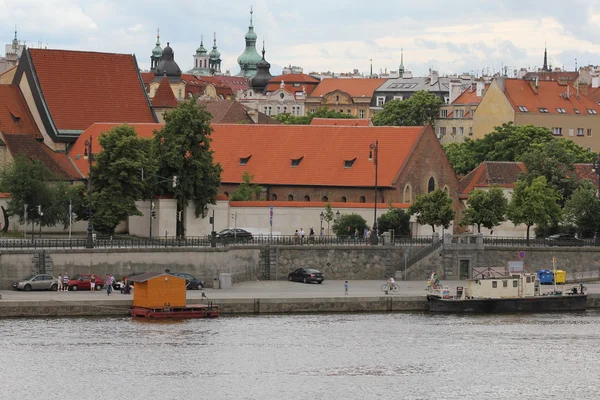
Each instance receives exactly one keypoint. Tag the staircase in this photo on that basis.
(42, 263)
(418, 255)
(269, 258)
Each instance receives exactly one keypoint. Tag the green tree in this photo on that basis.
(116, 176)
(328, 215)
(322, 112)
(583, 209)
(434, 209)
(396, 220)
(485, 208)
(183, 150)
(533, 203)
(347, 224)
(247, 190)
(419, 109)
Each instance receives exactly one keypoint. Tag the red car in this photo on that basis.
(82, 282)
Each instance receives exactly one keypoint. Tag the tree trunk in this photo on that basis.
(478, 228)
(5, 227)
(433, 227)
(528, 226)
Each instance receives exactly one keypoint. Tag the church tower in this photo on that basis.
(156, 52)
(201, 61)
(214, 58)
(250, 58)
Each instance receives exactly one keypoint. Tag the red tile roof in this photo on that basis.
(164, 96)
(355, 87)
(81, 88)
(341, 121)
(272, 148)
(15, 116)
(593, 93)
(290, 81)
(147, 77)
(227, 112)
(567, 76)
(222, 88)
(549, 95)
(469, 96)
(28, 145)
(236, 83)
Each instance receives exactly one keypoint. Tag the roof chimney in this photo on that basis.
(480, 88)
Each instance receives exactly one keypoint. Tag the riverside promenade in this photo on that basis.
(258, 297)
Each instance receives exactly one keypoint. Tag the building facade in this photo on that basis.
(455, 122)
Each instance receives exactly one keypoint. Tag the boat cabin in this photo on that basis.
(513, 286)
(155, 290)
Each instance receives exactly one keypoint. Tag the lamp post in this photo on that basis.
(374, 155)
(321, 217)
(88, 155)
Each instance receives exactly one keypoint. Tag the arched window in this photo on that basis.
(274, 197)
(431, 185)
(226, 194)
(291, 197)
(307, 198)
(446, 189)
(407, 198)
(325, 199)
(343, 199)
(337, 98)
(362, 199)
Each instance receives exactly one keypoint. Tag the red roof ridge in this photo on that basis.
(164, 96)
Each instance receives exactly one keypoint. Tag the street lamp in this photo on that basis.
(337, 215)
(321, 217)
(88, 155)
(374, 155)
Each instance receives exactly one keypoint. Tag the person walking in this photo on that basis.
(60, 285)
(109, 282)
(346, 288)
(93, 283)
(65, 282)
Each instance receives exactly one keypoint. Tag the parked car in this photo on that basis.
(563, 239)
(306, 275)
(235, 233)
(36, 282)
(118, 285)
(190, 281)
(82, 282)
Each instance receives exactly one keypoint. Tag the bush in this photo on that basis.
(347, 224)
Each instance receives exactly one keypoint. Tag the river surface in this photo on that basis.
(335, 356)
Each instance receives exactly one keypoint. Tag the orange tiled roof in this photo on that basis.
(341, 121)
(236, 83)
(28, 145)
(272, 148)
(357, 87)
(316, 204)
(549, 95)
(593, 93)
(15, 116)
(147, 77)
(290, 80)
(81, 88)
(164, 96)
(469, 96)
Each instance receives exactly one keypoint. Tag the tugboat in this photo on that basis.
(512, 293)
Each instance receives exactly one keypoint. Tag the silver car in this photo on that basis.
(36, 282)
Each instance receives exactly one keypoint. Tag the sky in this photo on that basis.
(333, 35)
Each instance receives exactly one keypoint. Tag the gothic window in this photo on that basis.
(362, 199)
(226, 194)
(431, 185)
(291, 197)
(343, 199)
(274, 197)
(307, 198)
(325, 199)
(407, 194)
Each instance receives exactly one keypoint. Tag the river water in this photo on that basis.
(335, 356)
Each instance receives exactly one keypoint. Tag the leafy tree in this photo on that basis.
(347, 224)
(247, 190)
(183, 150)
(328, 215)
(583, 209)
(485, 208)
(116, 176)
(419, 109)
(395, 219)
(434, 209)
(322, 112)
(533, 203)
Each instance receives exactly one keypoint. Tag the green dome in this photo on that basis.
(201, 50)
(251, 35)
(157, 51)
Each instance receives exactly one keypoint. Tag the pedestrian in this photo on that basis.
(366, 233)
(346, 288)
(296, 237)
(302, 233)
(93, 283)
(65, 282)
(60, 284)
(312, 232)
(356, 233)
(109, 282)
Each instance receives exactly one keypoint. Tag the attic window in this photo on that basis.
(576, 111)
(523, 109)
(591, 111)
(16, 119)
(561, 110)
(349, 163)
(244, 160)
(543, 110)
(296, 161)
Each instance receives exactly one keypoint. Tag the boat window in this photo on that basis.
(494, 284)
(516, 283)
(528, 279)
(504, 283)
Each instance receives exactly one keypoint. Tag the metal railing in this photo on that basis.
(504, 241)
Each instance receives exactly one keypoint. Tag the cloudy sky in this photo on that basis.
(336, 35)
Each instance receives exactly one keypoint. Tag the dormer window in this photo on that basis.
(523, 109)
(576, 111)
(561, 110)
(244, 160)
(296, 161)
(16, 119)
(591, 111)
(349, 163)
(543, 110)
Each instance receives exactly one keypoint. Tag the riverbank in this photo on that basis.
(264, 297)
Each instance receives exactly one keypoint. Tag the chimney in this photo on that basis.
(595, 82)
(434, 77)
(480, 87)
(583, 88)
(455, 90)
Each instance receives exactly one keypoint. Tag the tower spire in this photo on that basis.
(545, 67)
(401, 69)
(214, 40)
(251, 12)
(263, 50)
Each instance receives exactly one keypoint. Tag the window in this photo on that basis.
(454, 131)
(380, 101)
(16, 119)
(443, 113)
(528, 280)
(361, 114)
(470, 131)
(349, 111)
(296, 85)
(442, 131)
(592, 111)
(407, 194)
(543, 110)
(307, 198)
(226, 194)
(285, 110)
(244, 160)
(504, 283)
(557, 131)
(325, 199)
(290, 197)
(180, 94)
(461, 131)
(343, 199)
(362, 199)
(349, 163)
(398, 97)
(571, 131)
(341, 110)
(589, 132)
(337, 98)
(576, 111)
(446, 99)
(274, 197)
(561, 110)
(494, 284)
(431, 185)
(580, 132)
(296, 162)
(515, 283)
(460, 113)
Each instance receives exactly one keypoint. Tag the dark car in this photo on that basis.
(235, 233)
(306, 275)
(190, 281)
(563, 239)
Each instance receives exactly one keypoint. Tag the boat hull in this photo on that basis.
(508, 305)
(195, 311)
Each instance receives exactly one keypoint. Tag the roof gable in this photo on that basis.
(15, 116)
(164, 96)
(356, 87)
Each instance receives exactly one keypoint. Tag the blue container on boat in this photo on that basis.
(545, 276)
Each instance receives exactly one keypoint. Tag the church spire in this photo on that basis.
(251, 12)
(545, 67)
(401, 69)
